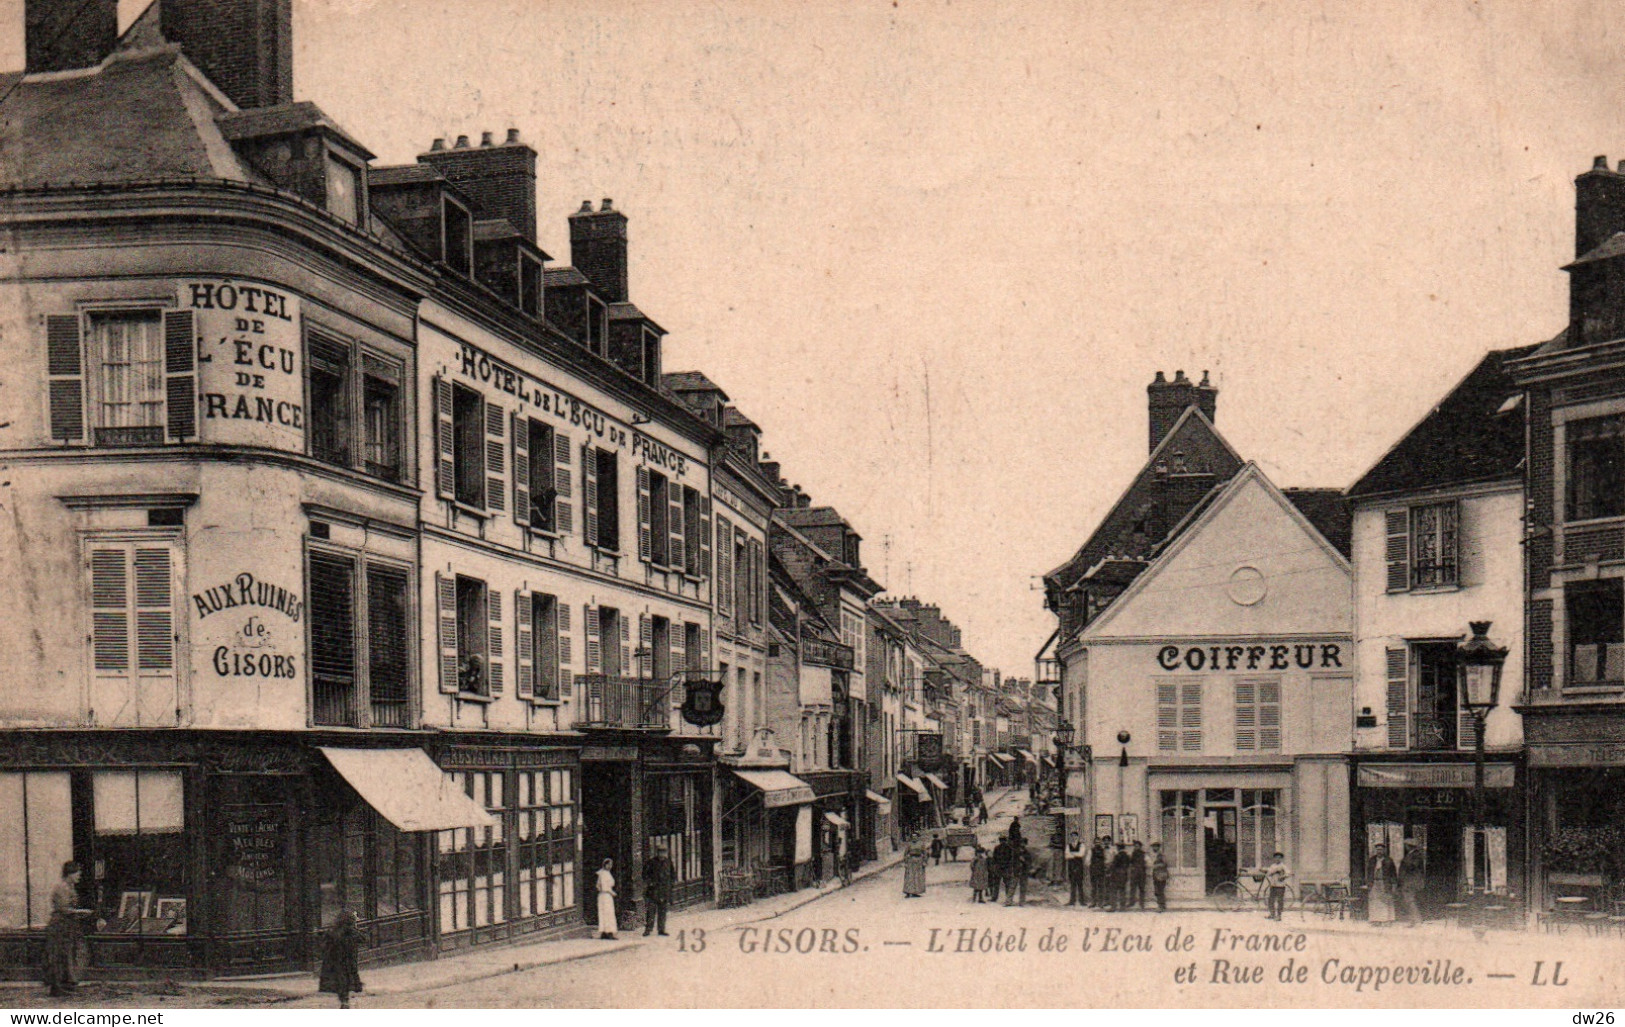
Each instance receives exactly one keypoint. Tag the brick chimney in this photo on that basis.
(60, 36)
(1599, 206)
(245, 47)
(500, 177)
(598, 248)
(1168, 400)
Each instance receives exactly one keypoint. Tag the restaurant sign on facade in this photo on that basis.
(1432, 775)
(823, 653)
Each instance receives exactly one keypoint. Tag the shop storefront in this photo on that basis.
(768, 828)
(1576, 819)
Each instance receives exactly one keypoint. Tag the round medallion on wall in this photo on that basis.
(1247, 586)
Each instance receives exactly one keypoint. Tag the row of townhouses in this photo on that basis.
(369, 559)
(1254, 669)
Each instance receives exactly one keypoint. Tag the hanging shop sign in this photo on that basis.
(702, 702)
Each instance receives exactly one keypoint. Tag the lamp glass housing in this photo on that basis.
(1479, 663)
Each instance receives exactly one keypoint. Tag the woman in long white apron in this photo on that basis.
(606, 900)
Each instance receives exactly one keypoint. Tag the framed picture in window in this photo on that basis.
(1103, 825)
(1130, 824)
(172, 909)
(133, 905)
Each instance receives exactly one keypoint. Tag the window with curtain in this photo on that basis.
(474, 861)
(1181, 830)
(546, 841)
(1257, 841)
(127, 360)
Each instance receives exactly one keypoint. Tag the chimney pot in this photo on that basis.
(513, 137)
(461, 144)
(1599, 163)
(608, 204)
(438, 144)
(485, 139)
(1159, 379)
(586, 207)
(1206, 382)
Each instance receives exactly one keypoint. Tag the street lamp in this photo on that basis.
(1478, 675)
(1063, 742)
(1123, 738)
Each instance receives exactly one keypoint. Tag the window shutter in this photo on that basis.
(1398, 664)
(705, 537)
(519, 434)
(679, 655)
(757, 563)
(563, 519)
(445, 588)
(446, 458)
(705, 649)
(180, 391)
(626, 646)
(1167, 718)
(64, 365)
(589, 495)
(1190, 717)
(1269, 716)
(645, 551)
(493, 641)
(1398, 552)
(1246, 716)
(110, 613)
(565, 650)
(154, 612)
(1466, 725)
(675, 526)
(646, 641)
(724, 586)
(496, 455)
(524, 655)
(595, 654)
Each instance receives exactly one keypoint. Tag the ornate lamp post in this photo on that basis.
(1478, 675)
(1123, 738)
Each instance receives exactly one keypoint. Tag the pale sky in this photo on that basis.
(937, 250)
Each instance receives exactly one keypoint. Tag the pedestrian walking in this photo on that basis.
(978, 874)
(843, 860)
(1275, 876)
(1097, 873)
(1077, 866)
(607, 925)
(914, 871)
(1136, 875)
(1411, 882)
(1159, 877)
(657, 880)
(64, 934)
(982, 813)
(936, 849)
(1118, 885)
(1014, 831)
(1382, 877)
(996, 866)
(341, 947)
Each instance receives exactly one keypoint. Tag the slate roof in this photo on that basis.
(1329, 511)
(1610, 247)
(559, 277)
(1462, 440)
(732, 418)
(287, 117)
(690, 381)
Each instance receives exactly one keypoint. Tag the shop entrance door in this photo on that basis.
(606, 832)
(1219, 845)
(1439, 832)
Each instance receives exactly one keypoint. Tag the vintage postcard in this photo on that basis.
(865, 503)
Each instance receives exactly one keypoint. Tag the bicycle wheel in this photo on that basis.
(1289, 901)
(1225, 897)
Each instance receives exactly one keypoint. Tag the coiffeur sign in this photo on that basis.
(1252, 656)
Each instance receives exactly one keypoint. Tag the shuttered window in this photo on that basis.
(608, 475)
(659, 519)
(128, 377)
(1167, 718)
(1397, 552)
(132, 610)
(472, 628)
(389, 657)
(725, 567)
(1190, 716)
(1258, 716)
(1398, 674)
(545, 633)
(468, 446)
(694, 532)
(332, 639)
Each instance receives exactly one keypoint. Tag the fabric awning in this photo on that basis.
(934, 779)
(882, 804)
(1047, 758)
(1027, 755)
(915, 786)
(1001, 757)
(836, 819)
(407, 789)
(778, 787)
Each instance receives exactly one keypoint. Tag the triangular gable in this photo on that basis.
(1191, 432)
(1200, 584)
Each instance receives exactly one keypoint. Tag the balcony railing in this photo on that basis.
(636, 704)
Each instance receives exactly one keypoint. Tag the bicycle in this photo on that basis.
(1229, 896)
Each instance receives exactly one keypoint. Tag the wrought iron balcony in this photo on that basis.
(628, 704)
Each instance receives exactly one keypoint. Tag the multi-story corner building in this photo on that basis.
(363, 557)
(1573, 704)
(1437, 523)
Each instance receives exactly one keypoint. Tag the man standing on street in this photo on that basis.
(657, 878)
(1076, 866)
(1159, 876)
(1136, 876)
(1410, 882)
(1097, 873)
(1118, 885)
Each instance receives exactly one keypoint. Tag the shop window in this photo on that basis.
(546, 841)
(468, 441)
(674, 818)
(364, 865)
(252, 836)
(1596, 629)
(1596, 467)
(1256, 840)
(474, 860)
(36, 838)
(140, 853)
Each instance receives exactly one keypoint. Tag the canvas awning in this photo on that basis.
(1027, 755)
(934, 779)
(1047, 758)
(1001, 757)
(836, 819)
(882, 804)
(408, 789)
(914, 786)
(778, 787)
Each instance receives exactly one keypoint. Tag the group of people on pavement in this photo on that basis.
(1405, 881)
(1116, 874)
(1007, 867)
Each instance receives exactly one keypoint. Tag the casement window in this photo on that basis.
(1258, 716)
(656, 661)
(468, 434)
(530, 286)
(724, 585)
(696, 533)
(329, 423)
(597, 326)
(1179, 716)
(469, 636)
(343, 190)
(1423, 546)
(546, 838)
(458, 238)
(1595, 621)
(1256, 827)
(122, 377)
(133, 621)
(340, 377)
(542, 647)
(601, 498)
(651, 359)
(661, 531)
(381, 417)
(695, 651)
(1424, 711)
(1596, 467)
(742, 576)
(542, 460)
(754, 553)
(360, 643)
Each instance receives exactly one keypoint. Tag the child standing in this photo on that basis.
(978, 874)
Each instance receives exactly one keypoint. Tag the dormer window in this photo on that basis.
(530, 286)
(597, 326)
(458, 238)
(651, 358)
(343, 190)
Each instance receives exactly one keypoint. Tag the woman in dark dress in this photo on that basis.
(64, 934)
(339, 950)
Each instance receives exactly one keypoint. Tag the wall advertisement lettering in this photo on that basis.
(250, 363)
(259, 636)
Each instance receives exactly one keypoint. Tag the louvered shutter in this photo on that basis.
(674, 523)
(1398, 551)
(565, 650)
(1466, 726)
(589, 495)
(519, 436)
(705, 537)
(646, 641)
(1269, 716)
(757, 566)
(724, 586)
(524, 650)
(1167, 718)
(1398, 665)
(65, 370)
(154, 612)
(705, 649)
(496, 656)
(679, 654)
(1190, 716)
(445, 590)
(645, 548)
(595, 654)
(1246, 716)
(180, 385)
(496, 458)
(110, 612)
(563, 517)
(445, 454)
(626, 646)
